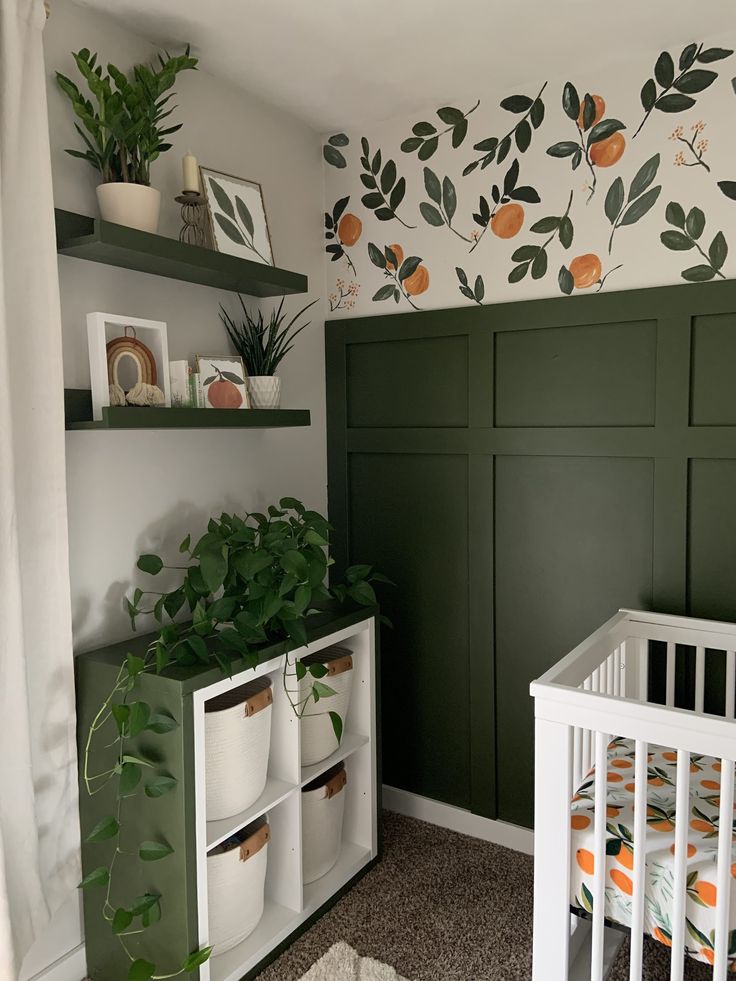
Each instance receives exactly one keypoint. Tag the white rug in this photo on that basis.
(342, 963)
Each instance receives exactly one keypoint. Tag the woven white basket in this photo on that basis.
(318, 734)
(237, 740)
(323, 809)
(236, 876)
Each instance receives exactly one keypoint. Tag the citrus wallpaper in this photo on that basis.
(599, 180)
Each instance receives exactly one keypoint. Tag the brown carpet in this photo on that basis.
(443, 907)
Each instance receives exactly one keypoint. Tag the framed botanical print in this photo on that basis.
(222, 378)
(237, 216)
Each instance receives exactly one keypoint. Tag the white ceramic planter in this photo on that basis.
(323, 810)
(236, 876)
(264, 391)
(237, 741)
(134, 205)
(318, 734)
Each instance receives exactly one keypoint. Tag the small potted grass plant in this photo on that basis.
(263, 345)
(125, 131)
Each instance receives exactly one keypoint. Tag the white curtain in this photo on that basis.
(38, 814)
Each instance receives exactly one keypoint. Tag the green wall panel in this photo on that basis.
(404, 508)
(522, 470)
(714, 358)
(396, 383)
(586, 375)
(573, 545)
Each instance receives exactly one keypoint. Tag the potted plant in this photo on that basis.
(123, 132)
(263, 346)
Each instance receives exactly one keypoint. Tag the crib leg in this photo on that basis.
(552, 793)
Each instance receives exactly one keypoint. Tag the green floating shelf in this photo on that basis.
(78, 406)
(128, 248)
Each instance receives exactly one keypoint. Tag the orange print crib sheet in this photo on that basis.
(702, 852)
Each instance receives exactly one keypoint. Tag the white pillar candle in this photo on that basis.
(190, 173)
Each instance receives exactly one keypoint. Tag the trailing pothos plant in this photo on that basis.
(247, 582)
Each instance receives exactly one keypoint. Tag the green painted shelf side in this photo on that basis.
(128, 248)
(78, 406)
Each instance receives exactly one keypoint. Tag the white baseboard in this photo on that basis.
(457, 819)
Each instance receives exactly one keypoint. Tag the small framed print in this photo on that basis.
(222, 378)
(237, 216)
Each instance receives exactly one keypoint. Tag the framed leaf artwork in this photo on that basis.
(222, 378)
(237, 216)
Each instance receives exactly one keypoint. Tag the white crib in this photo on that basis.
(595, 694)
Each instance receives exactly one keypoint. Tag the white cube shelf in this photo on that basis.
(288, 901)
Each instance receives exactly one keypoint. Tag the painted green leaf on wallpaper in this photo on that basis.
(426, 137)
(685, 80)
(332, 154)
(498, 148)
(510, 191)
(534, 258)
(728, 188)
(385, 199)
(407, 278)
(639, 201)
(474, 293)
(444, 196)
(689, 229)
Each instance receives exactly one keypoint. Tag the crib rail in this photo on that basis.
(598, 692)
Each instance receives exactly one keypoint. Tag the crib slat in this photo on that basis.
(682, 809)
(577, 757)
(699, 678)
(587, 736)
(730, 683)
(609, 674)
(723, 894)
(617, 672)
(599, 853)
(670, 692)
(640, 833)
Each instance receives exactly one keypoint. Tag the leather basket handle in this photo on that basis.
(258, 702)
(335, 784)
(339, 665)
(252, 845)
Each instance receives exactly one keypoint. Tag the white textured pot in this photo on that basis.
(134, 205)
(264, 391)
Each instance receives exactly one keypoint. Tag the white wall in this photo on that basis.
(130, 492)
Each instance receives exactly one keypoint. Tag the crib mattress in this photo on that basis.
(705, 781)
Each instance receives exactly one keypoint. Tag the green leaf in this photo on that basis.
(213, 566)
(714, 54)
(153, 851)
(728, 188)
(160, 785)
(570, 101)
(718, 251)
(312, 538)
(675, 214)
(130, 776)
(229, 229)
(461, 275)
(223, 199)
(151, 564)
(317, 670)
(676, 241)
(698, 274)
(649, 94)
(675, 103)
(140, 713)
(459, 133)
(516, 103)
(687, 56)
(544, 226)
(120, 713)
(151, 915)
(397, 195)
(321, 690)
(97, 877)
(537, 114)
(450, 115)
(565, 280)
(333, 157)
(295, 563)
(539, 266)
(431, 215)
(297, 631)
(339, 139)
(121, 920)
(108, 827)
(695, 223)
(161, 723)
(428, 148)
(479, 289)
(336, 726)
(388, 176)
(566, 148)
(614, 200)
(525, 253)
(644, 177)
(449, 198)
(641, 206)
(588, 111)
(300, 670)
(518, 273)
(604, 129)
(695, 81)
(141, 970)
(376, 256)
(565, 233)
(523, 136)
(664, 70)
(362, 592)
(194, 960)
(423, 129)
(412, 144)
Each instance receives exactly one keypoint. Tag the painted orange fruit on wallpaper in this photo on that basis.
(608, 152)
(585, 270)
(707, 892)
(418, 282)
(508, 220)
(349, 229)
(600, 108)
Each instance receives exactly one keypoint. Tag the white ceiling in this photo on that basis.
(345, 63)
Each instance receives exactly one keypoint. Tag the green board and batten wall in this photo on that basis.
(522, 470)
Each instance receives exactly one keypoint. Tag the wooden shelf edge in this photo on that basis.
(78, 409)
(83, 237)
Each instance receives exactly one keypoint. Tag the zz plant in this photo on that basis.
(247, 582)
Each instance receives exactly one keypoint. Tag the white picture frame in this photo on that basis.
(227, 371)
(105, 327)
(237, 216)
